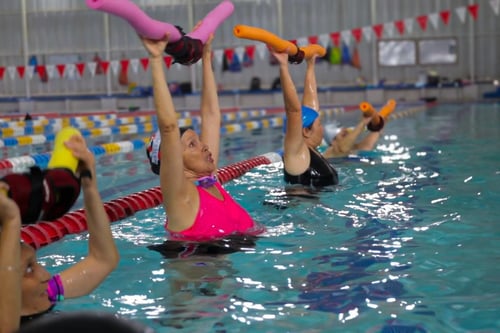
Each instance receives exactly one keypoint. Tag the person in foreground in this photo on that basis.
(197, 206)
(27, 289)
(303, 163)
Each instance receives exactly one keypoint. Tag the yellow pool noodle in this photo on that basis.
(62, 157)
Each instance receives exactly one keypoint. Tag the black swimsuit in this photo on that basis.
(320, 173)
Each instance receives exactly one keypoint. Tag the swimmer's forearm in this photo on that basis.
(102, 246)
(10, 276)
(310, 96)
(290, 97)
(164, 105)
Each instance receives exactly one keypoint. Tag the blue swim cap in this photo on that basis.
(309, 115)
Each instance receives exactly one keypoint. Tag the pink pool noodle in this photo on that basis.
(154, 29)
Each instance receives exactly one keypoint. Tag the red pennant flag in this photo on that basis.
(20, 71)
(2, 72)
(335, 38)
(60, 69)
(445, 16)
(250, 49)
(357, 33)
(379, 30)
(144, 63)
(105, 66)
(80, 67)
(422, 21)
(473, 9)
(168, 61)
(42, 73)
(229, 53)
(124, 63)
(400, 25)
(313, 39)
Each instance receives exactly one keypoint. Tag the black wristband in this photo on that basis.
(86, 174)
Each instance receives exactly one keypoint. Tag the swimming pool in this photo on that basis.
(408, 242)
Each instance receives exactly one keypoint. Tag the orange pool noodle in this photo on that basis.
(367, 109)
(313, 49)
(387, 109)
(261, 35)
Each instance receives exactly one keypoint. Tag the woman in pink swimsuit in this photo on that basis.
(197, 206)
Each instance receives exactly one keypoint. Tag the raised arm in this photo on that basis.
(310, 96)
(210, 110)
(10, 263)
(179, 194)
(102, 257)
(296, 155)
(343, 145)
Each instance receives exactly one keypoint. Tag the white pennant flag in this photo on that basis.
(324, 40)
(240, 52)
(134, 63)
(114, 66)
(409, 25)
(218, 54)
(30, 71)
(178, 66)
(12, 72)
(461, 13)
(346, 36)
(70, 71)
(51, 71)
(302, 41)
(91, 66)
(389, 29)
(434, 18)
(495, 5)
(261, 50)
(367, 33)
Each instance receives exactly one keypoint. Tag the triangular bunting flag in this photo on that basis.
(409, 25)
(400, 26)
(51, 71)
(302, 41)
(495, 5)
(240, 52)
(367, 33)
(261, 50)
(473, 10)
(92, 66)
(312, 39)
(218, 54)
(60, 69)
(389, 29)
(134, 63)
(30, 71)
(434, 17)
(335, 36)
(324, 40)
(105, 66)
(346, 36)
(20, 71)
(80, 67)
(379, 30)
(357, 33)
(2, 71)
(114, 66)
(250, 50)
(42, 73)
(422, 22)
(124, 65)
(229, 53)
(168, 61)
(11, 70)
(461, 13)
(144, 63)
(70, 70)
(445, 16)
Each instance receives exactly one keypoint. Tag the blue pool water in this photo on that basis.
(408, 242)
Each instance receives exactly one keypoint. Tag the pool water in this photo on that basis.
(408, 242)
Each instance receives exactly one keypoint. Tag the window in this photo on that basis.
(437, 51)
(397, 53)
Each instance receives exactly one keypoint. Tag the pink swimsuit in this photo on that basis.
(216, 218)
